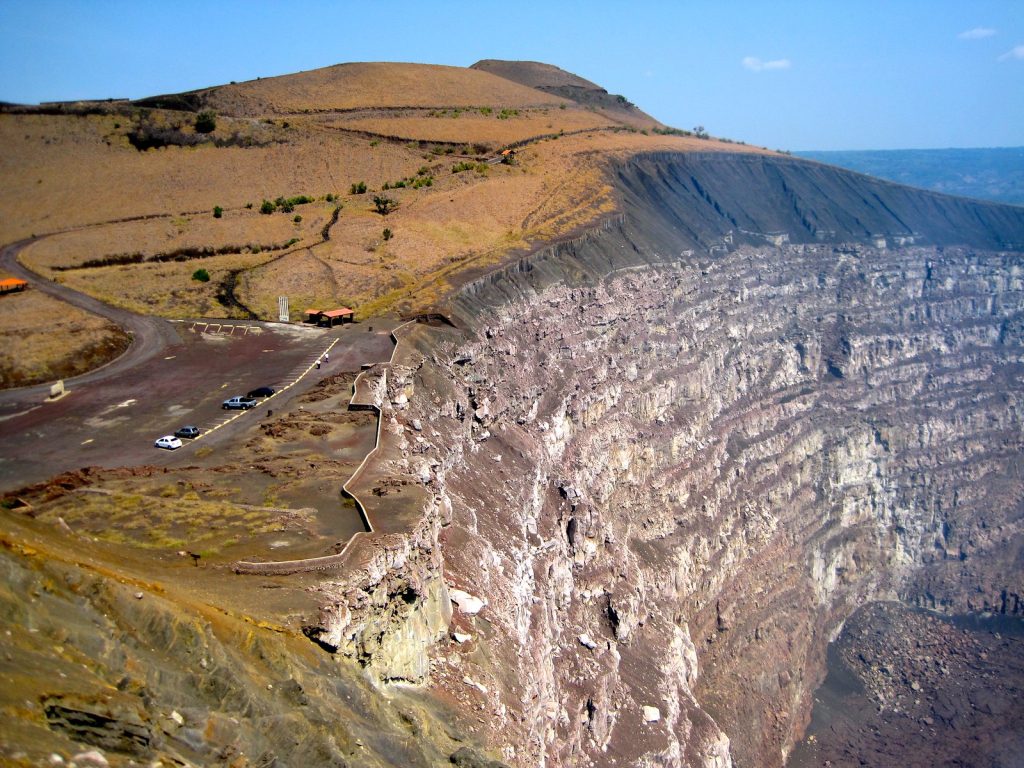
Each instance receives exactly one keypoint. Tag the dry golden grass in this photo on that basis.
(482, 128)
(46, 339)
(60, 173)
(246, 229)
(361, 85)
(463, 222)
(161, 522)
(165, 289)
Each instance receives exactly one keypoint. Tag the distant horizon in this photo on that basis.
(907, 149)
(796, 73)
(995, 174)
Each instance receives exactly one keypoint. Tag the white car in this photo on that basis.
(170, 442)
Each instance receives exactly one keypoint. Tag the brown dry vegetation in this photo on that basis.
(170, 521)
(245, 229)
(448, 126)
(361, 85)
(315, 133)
(45, 339)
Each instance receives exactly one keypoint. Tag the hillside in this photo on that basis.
(550, 79)
(359, 86)
(630, 424)
(426, 137)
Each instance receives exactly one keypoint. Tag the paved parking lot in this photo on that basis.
(113, 421)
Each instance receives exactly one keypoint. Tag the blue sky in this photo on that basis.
(788, 75)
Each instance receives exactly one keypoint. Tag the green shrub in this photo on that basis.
(217, 211)
(387, 234)
(358, 188)
(297, 219)
(463, 166)
(267, 207)
(485, 110)
(201, 275)
(206, 122)
(248, 206)
(384, 205)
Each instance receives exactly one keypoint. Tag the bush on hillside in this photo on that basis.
(206, 122)
(384, 205)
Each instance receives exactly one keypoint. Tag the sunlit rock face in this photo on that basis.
(673, 456)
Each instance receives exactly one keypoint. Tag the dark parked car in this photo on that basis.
(238, 403)
(189, 432)
(261, 392)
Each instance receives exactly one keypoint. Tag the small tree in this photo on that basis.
(387, 234)
(384, 205)
(201, 275)
(217, 211)
(206, 122)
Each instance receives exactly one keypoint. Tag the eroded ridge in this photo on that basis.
(673, 485)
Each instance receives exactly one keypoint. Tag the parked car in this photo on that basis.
(170, 442)
(238, 402)
(261, 392)
(188, 432)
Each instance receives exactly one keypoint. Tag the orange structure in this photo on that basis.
(12, 285)
(330, 317)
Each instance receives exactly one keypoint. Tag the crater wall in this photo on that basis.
(673, 459)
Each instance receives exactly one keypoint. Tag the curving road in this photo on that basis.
(173, 373)
(150, 335)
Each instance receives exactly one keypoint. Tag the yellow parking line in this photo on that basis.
(268, 399)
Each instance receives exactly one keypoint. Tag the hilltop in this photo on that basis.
(125, 191)
(553, 80)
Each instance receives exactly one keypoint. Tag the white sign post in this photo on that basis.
(282, 309)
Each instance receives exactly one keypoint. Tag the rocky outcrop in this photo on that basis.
(699, 439)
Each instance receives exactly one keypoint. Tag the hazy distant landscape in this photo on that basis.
(988, 174)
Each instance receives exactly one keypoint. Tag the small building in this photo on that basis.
(330, 317)
(12, 285)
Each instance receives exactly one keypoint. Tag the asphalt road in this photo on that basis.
(173, 374)
(150, 335)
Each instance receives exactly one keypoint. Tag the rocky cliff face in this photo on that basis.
(672, 457)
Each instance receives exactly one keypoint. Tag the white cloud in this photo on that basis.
(1017, 52)
(754, 64)
(977, 33)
